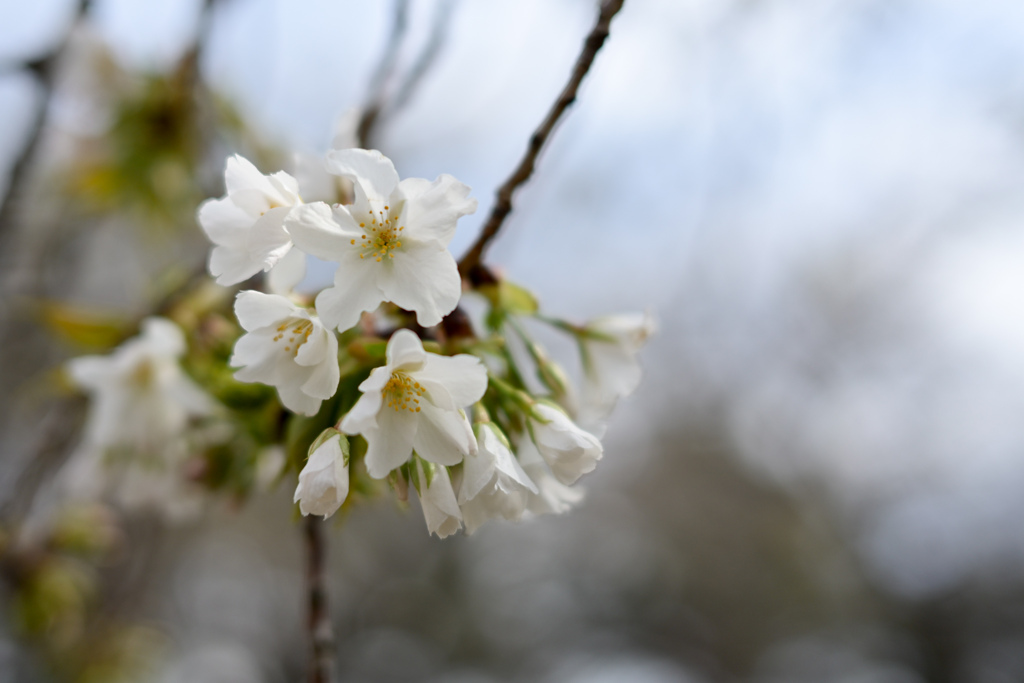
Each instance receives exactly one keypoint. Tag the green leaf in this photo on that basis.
(83, 327)
(516, 299)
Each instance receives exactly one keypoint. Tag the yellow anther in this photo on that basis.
(400, 390)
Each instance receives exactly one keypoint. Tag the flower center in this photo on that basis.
(297, 331)
(381, 237)
(403, 392)
(143, 375)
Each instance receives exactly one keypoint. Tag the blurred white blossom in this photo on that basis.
(552, 497)
(493, 483)
(569, 450)
(437, 498)
(135, 438)
(609, 346)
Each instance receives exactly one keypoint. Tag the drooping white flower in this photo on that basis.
(247, 224)
(391, 243)
(323, 482)
(552, 497)
(493, 483)
(135, 441)
(286, 346)
(415, 402)
(609, 346)
(437, 498)
(570, 451)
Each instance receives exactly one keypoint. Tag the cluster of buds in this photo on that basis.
(373, 379)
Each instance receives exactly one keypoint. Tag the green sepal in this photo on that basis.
(507, 298)
(326, 436)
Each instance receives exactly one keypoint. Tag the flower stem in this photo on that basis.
(321, 635)
(503, 202)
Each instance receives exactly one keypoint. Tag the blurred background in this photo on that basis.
(821, 477)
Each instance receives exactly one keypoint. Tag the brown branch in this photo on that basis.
(427, 57)
(382, 74)
(470, 263)
(321, 634)
(43, 69)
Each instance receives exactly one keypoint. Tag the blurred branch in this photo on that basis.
(321, 634)
(378, 106)
(427, 58)
(43, 69)
(57, 431)
(382, 74)
(503, 202)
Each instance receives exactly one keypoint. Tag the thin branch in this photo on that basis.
(43, 69)
(383, 73)
(321, 634)
(427, 57)
(470, 263)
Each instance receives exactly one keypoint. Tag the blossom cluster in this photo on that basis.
(374, 382)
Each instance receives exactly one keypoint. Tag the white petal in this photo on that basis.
(267, 240)
(354, 291)
(256, 309)
(231, 266)
(224, 222)
(424, 279)
(453, 381)
(163, 337)
(324, 381)
(189, 396)
(443, 436)
(254, 348)
(241, 174)
(296, 400)
(288, 272)
(570, 451)
(405, 350)
(316, 230)
(390, 444)
(440, 509)
(431, 210)
(368, 167)
(323, 482)
(315, 349)
(477, 470)
(363, 415)
(89, 372)
(286, 187)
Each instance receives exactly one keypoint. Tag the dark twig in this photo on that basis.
(427, 58)
(321, 634)
(503, 203)
(43, 69)
(383, 73)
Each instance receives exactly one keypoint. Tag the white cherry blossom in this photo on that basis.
(552, 497)
(135, 440)
(570, 451)
(493, 483)
(610, 345)
(286, 346)
(323, 482)
(391, 243)
(247, 224)
(415, 402)
(437, 498)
